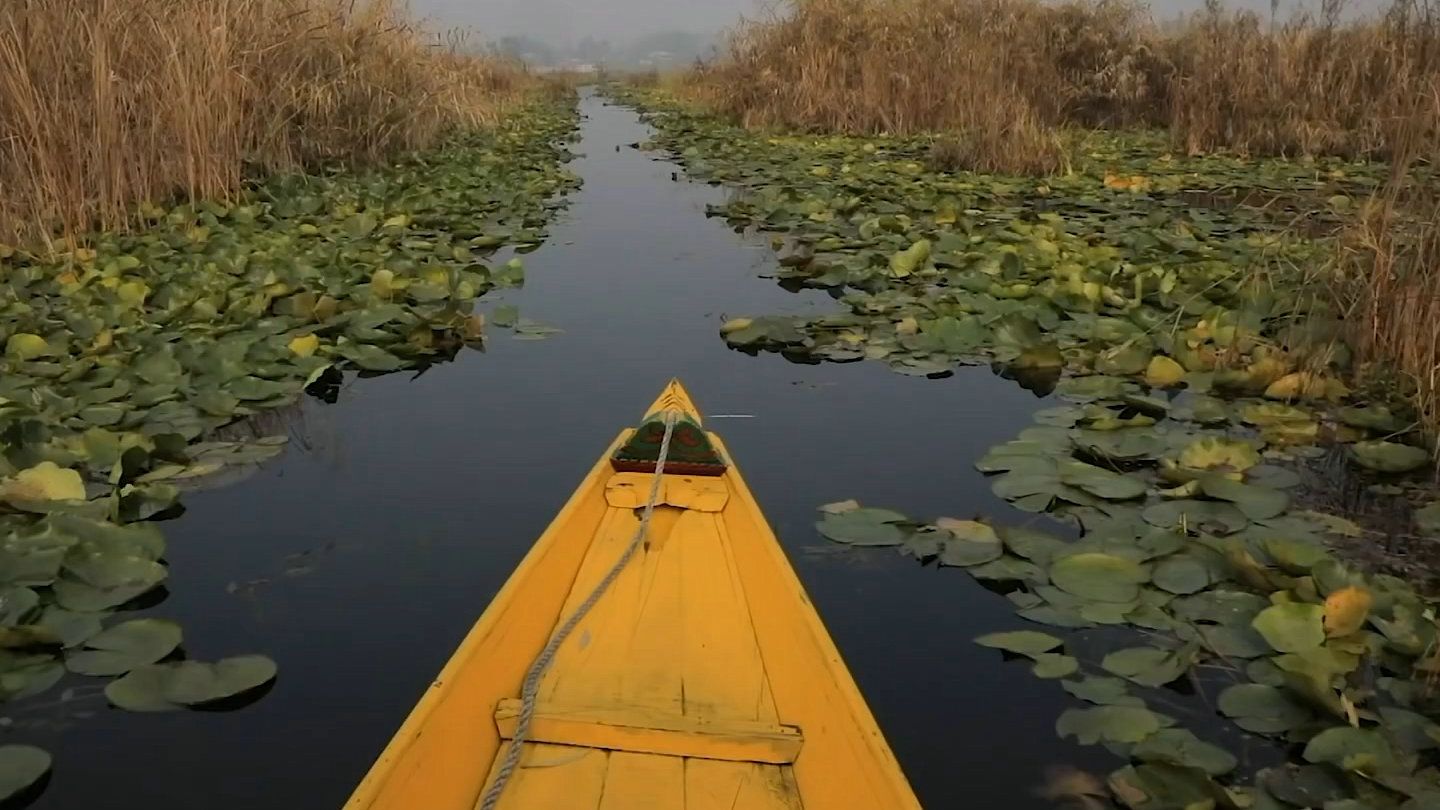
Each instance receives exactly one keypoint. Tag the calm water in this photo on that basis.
(360, 558)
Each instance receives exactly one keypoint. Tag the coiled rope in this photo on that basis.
(531, 688)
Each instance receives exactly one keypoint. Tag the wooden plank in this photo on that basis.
(644, 782)
(555, 778)
(672, 636)
(722, 673)
(636, 732)
(622, 653)
(631, 490)
(711, 785)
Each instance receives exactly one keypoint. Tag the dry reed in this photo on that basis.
(1004, 74)
(1000, 74)
(105, 103)
(1312, 86)
(1387, 276)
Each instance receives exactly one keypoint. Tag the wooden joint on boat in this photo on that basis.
(642, 732)
(628, 490)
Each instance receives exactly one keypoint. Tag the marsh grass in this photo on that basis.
(106, 103)
(1312, 85)
(997, 74)
(1001, 76)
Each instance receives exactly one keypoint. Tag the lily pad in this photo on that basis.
(1102, 691)
(1099, 576)
(1149, 666)
(864, 527)
(1291, 627)
(1180, 747)
(1111, 724)
(45, 481)
(968, 542)
(1352, 749)
(1196, 516)
(1053, 665)
(1255, 502)
(1389, 457)
(1021, 642)
(167, 687)
(125, 647)
(1181, 574)
(1262, 709)
(20, 767)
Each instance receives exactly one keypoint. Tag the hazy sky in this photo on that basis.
(563, 22)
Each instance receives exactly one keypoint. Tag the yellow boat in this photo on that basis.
(700, 679)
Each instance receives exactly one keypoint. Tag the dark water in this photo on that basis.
(360, 558)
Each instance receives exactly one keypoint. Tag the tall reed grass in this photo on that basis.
(1003, 75)
(1313, 85)
(104, 103)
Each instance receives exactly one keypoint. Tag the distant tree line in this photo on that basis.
(661, 49)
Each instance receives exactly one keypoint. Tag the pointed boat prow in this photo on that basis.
(702, 679)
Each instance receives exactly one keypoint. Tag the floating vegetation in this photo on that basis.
(121, 359)
(1141, 293)
(1293, 646)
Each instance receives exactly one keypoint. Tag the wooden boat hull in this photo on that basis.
(702, 679)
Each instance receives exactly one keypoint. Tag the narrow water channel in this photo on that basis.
(360, 558)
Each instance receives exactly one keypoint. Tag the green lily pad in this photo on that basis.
(125, 647)
(1120, 445)
(1181, 574)
(1305, 786)
(1291, 627)
(1159, 784)
(864, 527)
(1149, 666)
(1052, 665)
(1232, 641)
(1352, 749)
(1373, 417)
(1008, 568)
(172, 686)
(1389, 457)
(1102, 691)
(1032, 544)
(1262, 709)
(1111, 724)
(20, 767)
(1180, 747)
(1090, 389)
(968, 542)
(1100, 482)
(1196, 516)
(1099, 576)
(1427, 518)
(1021, 642)
(1255, 502)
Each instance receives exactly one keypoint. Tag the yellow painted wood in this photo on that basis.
(707, 627)
(628, 490)
(556, 778)
(643, 782)
(712, 785)
(627, 730)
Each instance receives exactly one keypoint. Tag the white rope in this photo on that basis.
(531, 688)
